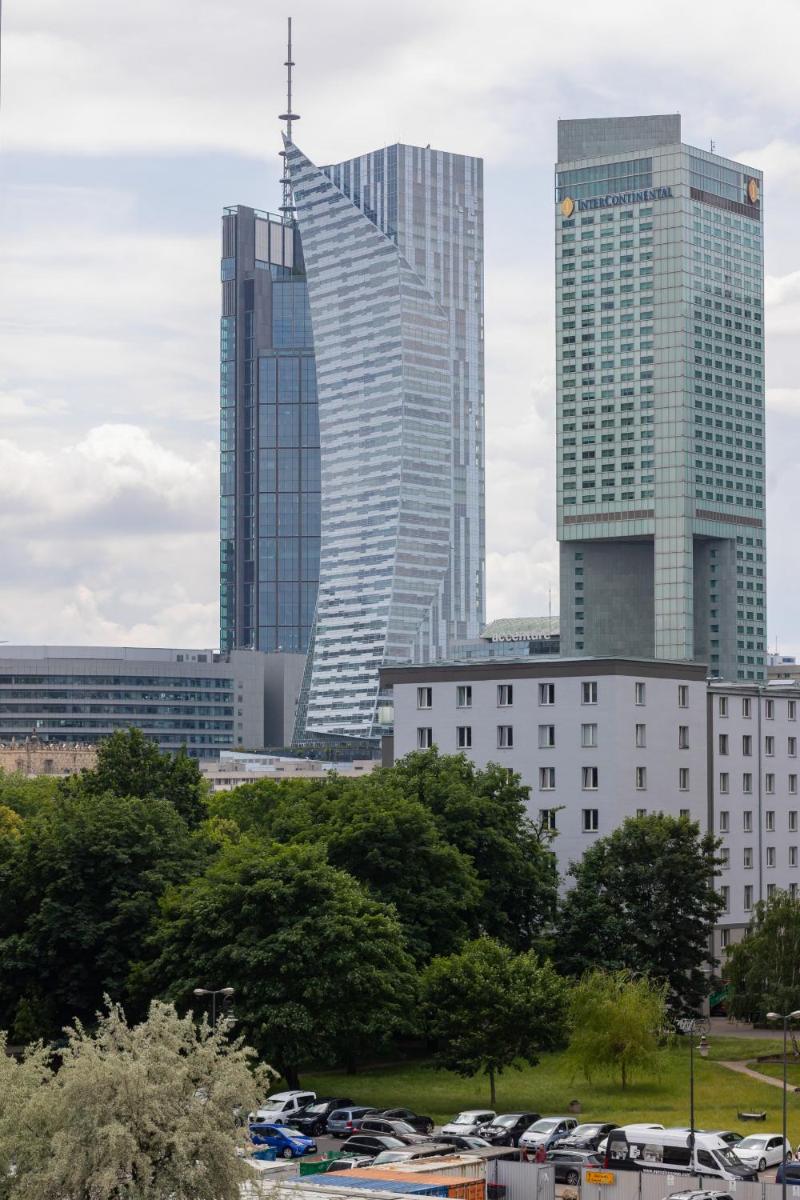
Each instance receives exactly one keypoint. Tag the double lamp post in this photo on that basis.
(213, 993)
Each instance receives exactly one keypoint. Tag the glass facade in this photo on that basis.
(660, 364)
(393, 242)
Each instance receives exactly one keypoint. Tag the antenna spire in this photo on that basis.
(287, 208)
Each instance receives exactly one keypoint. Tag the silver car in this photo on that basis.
(470, 1121)
(343, 1122)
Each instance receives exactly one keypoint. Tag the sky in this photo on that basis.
(125, 129)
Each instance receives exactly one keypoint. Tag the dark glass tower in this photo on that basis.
(270, 464)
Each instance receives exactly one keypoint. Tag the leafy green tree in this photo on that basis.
(26, 795)
(489, 1009)
(482, 812)
(320, 968)
(616, 1024)
(77, 898)
(130, 764)
(644, 901)
(764, 969)
(143, 1112)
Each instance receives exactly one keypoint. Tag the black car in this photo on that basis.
(419, 1123)
(508, 1128)
(313, 1119)
(370, 1143)
(397, 1129)
(570, 1163)
(462, 1141)
(588, 1136)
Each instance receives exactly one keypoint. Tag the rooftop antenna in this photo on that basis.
(287, 208)
(711, 139)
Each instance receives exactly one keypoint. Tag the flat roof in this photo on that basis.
(541, 667)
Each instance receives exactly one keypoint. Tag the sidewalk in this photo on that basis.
(741, 1069)
(722, 1027)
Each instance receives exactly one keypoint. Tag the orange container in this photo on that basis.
(458, 1187)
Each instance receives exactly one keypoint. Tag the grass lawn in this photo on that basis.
(549, 1087)
(776, 1071)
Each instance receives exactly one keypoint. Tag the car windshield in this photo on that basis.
(467, 1118)
(291, 1132)
(403, 1126)
(579, 1130)
(317, 1108)
(507, 1119)
(543, 1126)
(752, 1143)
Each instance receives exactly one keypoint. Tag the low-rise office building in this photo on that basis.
(200, 699)
(234, 768)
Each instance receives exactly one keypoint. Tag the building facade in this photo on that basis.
(393, 250)
(269, 438)
(660, 370)
(200, 699)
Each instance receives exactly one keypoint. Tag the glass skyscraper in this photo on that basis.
(270, 467)
(393, 249)
(660, 368)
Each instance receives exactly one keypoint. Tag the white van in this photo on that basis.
(669, 1150)
(279, 1108)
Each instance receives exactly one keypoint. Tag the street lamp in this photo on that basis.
(792, 1016)
(213, 993)
(688, 1025)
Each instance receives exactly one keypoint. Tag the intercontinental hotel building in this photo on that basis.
(659, 320)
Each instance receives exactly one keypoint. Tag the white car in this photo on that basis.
(762, 1150)
(469, 1122)
(602, 1147)
(283, 1106)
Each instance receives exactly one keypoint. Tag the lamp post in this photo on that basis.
(688, 1025)
(213, 993)
(792, 1016)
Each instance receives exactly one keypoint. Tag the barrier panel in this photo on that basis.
(507, 1180)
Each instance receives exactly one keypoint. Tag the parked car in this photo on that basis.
(635, 1127)
(689, 1195)
(459, 1141)
(508, 1128)
(350, 1163)
(729, 1136)
(570, 1163)
(546, 1132)
(470, 1121)
(371, 1143)
(587, 1136)
(791, 1170)
(412, 1153)
(421, 1124)
(399, 1129)
(287, 1142)
(342, 1122)
(762, 1150)
(313, 1119)
(280, 1108)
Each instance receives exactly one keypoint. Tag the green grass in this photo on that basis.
(742, 1048)
(775, 1070)
(549, 1087)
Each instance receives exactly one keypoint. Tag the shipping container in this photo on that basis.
(353, 1182)
(459, 1187)
(468, 1166)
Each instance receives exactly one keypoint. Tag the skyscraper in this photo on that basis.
(393, 248)
(660, 368)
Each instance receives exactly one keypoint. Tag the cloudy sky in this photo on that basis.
(125, 128)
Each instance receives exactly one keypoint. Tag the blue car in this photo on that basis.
(285, 1141)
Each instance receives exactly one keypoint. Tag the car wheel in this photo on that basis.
(572, 1178)
(762, 1164)
(788, 1157)
(319, 1129)
(287, 1152)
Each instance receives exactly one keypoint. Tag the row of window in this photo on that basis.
(747, 901)
(747, 783)
(548, 818)
(747, 745)
(547, 694)
(770, 857)
(747, 708)
(747, 820)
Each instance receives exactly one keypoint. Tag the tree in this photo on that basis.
(764, 969)
(26, 795)
(319, 967)
(616, 1024)
(78, 895)
(143, 1112)
(483, 813)
(488, 1008)
(130, 764)
(644, 901)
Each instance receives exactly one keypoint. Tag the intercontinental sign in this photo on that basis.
(568, 206)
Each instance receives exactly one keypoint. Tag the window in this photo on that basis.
(639, 690)
(683, 783)
(769, 783)
(747, 745)
(791, 747)
(641, 737)
(588, 736)
(547, 693)
(724, 938)
(424, 697)
(684, 813)
(547, 779)
(464, 696)
(769, 746)
(747, 857)
(547, 736)
(725, 896)
(464, 737)
(746, 706)
(641, 812)
(792, 820)
(747, 783)
(547, 818)
(591, 822)
(793, 856)
(747, 820)
(770, 856)
(769, 820)
(683, 695)
(770, 893)
(725, 857)
(769, 710)
(723, 706)
(793, 890)
(589, 692)
(505, 737)
(589, 779)
(724, 783)
(724, 820)
(683, 737)
(424, 738)
(748, 897)
(505, 694)
(641, 779)
(792, 710)
(792, 785)
(723, 743)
